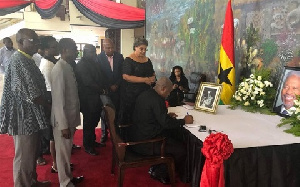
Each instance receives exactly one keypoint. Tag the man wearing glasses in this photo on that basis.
(24, 109)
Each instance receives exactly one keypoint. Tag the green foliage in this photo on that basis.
(252, 36)
(269, 50)
(203, 43)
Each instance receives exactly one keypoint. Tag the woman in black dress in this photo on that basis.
(138, 75)
(180, 86)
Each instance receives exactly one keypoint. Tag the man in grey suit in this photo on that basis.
(111, 66)
(65, 115)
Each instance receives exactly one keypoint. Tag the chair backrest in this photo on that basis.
(195, 80)
(118, 144)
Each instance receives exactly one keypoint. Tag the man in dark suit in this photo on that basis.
(152, 120)
(111, 67)
(91, 86)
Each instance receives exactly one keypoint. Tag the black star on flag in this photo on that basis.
(223, 75)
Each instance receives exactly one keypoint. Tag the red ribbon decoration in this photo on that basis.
(216, 148)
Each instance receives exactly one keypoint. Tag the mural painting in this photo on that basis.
(188, 33)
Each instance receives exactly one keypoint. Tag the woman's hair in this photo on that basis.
(139, 42)
(173, 72)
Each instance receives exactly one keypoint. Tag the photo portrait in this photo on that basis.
(288, 88)
(208, 97)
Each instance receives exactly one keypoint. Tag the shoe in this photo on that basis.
(74, 146)
(160, 178)
(41, 161)
(103, 139)
(77, 180)
(100, 144)
(151, 169)
(53, 170)
(92, 152)
(42, 184)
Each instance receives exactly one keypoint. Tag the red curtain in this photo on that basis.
(45, 4)
(114, 10)
(12, 3)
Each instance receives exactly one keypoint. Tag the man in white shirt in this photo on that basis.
(5, 53)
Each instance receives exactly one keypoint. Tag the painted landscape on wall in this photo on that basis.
(188, 33)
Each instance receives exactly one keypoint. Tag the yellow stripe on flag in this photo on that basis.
(227, 90)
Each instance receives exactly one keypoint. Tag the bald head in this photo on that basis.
(108, 47)
(89, 52)
(28, 41)
(163, 86)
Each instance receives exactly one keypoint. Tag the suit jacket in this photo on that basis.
(65, 102)
(115, 76)
(91, 85)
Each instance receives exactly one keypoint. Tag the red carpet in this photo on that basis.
(96, 169)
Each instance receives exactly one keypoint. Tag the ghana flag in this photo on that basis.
(226, 70)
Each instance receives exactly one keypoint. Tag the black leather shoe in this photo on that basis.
(92, 152)
(77, 180)
(100, 144)
(103, 139)
(160, 178)
(76, 146)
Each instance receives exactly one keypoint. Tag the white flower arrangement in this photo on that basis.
(254, 93)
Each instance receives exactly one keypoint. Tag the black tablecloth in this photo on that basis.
(267, 166)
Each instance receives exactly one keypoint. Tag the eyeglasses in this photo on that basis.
(35, 41)
(143, 49)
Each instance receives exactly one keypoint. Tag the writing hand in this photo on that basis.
(173, 115)
(188, 119)
(66, 133)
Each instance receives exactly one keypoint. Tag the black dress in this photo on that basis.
(176, 96)
(130, 91)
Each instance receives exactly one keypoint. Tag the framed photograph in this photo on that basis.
(288, 88)
(208, 97)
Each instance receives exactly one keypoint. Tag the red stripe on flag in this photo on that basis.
(228, 34)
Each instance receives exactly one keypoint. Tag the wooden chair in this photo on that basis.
(128, 159)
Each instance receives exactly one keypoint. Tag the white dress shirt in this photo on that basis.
(5, 54)
(46, 67)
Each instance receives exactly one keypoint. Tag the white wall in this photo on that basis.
(127, 35)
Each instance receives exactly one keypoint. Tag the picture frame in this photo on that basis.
(284, 99)
(208, 97)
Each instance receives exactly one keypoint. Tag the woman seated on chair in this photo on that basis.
(180, 86)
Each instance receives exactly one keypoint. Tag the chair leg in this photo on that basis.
(171, 169)
(120, 176)
(113, 162)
